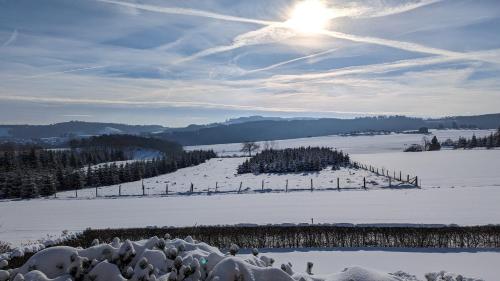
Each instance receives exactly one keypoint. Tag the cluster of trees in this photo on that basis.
(38, 172)
(291, 160)
(127, 141)
(491, 141)
(427, 145)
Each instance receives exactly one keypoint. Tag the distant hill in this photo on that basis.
(273, 130)
(252, 128)
(74, 129)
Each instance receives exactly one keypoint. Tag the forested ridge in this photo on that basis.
(30, 171)
(127, 141)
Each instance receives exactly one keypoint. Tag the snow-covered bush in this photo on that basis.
(158, 259)
(447, 276)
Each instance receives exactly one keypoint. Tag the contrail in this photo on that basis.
(59, 72)
(413, 47)
(188, 12)
(291, 61)
(11, 39)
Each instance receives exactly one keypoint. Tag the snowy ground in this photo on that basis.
(354, 144)
(446, 168)
(482, 264)
(178, 259)
(473, 201)
(222, 171)
(30, 220)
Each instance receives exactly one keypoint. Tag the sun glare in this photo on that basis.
(309, 16)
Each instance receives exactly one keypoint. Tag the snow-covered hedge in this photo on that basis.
(175, 260)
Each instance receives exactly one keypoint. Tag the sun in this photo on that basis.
(309, 16)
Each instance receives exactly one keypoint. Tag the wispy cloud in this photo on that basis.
(188, 12)
(11, 39)
(142, 56)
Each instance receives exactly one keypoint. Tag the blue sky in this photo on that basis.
(189, 61)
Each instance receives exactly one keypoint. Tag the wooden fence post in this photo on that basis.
(400, 176)
(143, 189)
(239, 189)
(416, 181)
(312, 186)
(191, 188)
(76, 192)
(286, 186)
(364, 182)
(166, 189)
(390, 183)
(338, 183)
(262, 185)
(119, 190)
(216, 186)
(96, 195)
(408, 178)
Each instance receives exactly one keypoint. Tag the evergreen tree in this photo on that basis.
(48, 186)
(28, 188)
(434, 144)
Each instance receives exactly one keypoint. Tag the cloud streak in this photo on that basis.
(188, 12)
(11, 39)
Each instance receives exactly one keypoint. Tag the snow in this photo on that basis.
(478, 264)
(353, 144)
(473, 200)
(34, 219)
(177, 259)
(445, 168)
(222, 171)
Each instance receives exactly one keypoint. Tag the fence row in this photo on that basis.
(393, 180)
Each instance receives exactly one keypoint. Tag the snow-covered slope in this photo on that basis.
(222, 172)
(175, 260)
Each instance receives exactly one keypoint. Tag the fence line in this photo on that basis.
(391, 176)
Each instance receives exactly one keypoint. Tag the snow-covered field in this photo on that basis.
(446, 168)
(222, 172)
(353, 144)
(481, 264)
(177, 259)
(29, 220)
(474, 174)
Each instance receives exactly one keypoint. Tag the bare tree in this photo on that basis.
(248, 147)
(269, 145)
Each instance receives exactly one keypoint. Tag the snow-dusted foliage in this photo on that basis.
(162, 259)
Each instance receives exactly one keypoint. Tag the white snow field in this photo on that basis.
(481, 264)
(445, 168)
(26, 220)
(222, 172)
(177, 259)
(353, 144)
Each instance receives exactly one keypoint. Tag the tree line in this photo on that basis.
(291, 160)
(34, 172)
(490, 141)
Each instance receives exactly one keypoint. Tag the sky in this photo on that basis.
(179, 62)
